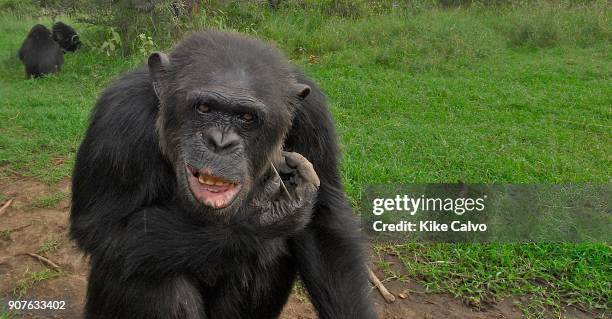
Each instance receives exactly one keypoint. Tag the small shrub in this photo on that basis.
(145, 45)
(112, 44)
(120, 23)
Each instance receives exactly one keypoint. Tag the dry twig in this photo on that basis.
(11, 230)
(282, 184)
(5, 206)
(43, 260)
(389, 297)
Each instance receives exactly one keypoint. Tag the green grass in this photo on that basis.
(49, 201)
(5, 234)
(50, 245)
(552, 274)
(515, 94)
(30, 279)
(45, 118)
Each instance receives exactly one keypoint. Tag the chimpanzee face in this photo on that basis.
(220, 144)
(221, 123)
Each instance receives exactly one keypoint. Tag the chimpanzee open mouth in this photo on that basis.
(210, 190)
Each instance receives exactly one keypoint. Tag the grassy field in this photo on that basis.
(517, 94)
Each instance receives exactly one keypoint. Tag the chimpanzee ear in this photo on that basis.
(302, 90)
(158, 64)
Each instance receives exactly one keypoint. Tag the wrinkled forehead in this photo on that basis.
(200, 75)
(251, 80)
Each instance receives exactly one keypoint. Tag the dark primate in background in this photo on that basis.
(39, 53)
(176, 202)
(66, 36)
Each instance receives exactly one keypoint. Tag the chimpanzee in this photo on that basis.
(40, 54)
(66, 36)
(207, 183)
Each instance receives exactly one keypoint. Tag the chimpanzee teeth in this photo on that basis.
(201, 179)
(211, 181)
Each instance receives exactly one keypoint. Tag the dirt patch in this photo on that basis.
(26, 228)
(416, 303)
(32, 225)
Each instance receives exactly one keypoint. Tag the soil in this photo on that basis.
(34, 225)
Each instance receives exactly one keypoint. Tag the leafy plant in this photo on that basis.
(145, 45)
(112, 44)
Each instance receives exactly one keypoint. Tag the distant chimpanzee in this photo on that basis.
(66, 36)
(178, 201)
(40, 54)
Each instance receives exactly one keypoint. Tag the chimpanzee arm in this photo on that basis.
(329, 253)
(138, 298)
(331, 261)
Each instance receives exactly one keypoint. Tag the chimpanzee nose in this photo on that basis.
(220, 140)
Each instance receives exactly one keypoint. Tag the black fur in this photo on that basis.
(39, 53)
(156, 252)
(66, 36)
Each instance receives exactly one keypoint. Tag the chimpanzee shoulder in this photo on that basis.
(122, 133)
(313, 132)
(120, 152)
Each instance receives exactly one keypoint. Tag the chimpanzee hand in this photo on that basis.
(288, 206)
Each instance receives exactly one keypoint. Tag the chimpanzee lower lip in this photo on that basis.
(213, 191)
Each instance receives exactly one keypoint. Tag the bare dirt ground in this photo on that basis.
(37, 222)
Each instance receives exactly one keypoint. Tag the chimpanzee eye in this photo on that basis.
(203, 108)
(247, 117)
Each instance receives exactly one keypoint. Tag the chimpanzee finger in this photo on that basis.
(272, 187)
(284, 169)
(303, 166)
(293, 159)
